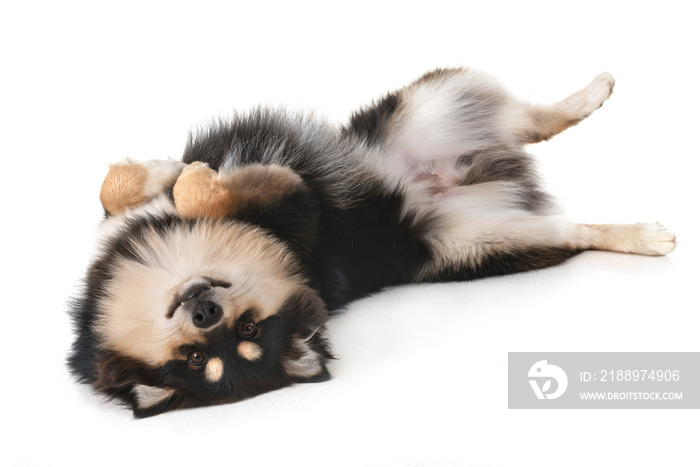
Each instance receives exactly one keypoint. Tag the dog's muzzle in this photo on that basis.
(200, 306)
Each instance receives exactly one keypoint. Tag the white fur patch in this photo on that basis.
(582, 103)
(148, 396)
(161, 175)
(475, 220)
(157, 206)
(308, 365)
(440, 119)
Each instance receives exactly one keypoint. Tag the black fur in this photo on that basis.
(370, 122)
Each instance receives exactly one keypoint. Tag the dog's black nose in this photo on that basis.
(206, 314)
(198, 301)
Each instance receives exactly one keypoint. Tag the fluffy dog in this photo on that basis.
(215, 275)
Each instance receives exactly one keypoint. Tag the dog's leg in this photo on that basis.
(130, 184)
(451, 112)
(202, 192)
(642, 239)
(541, 122)
(423, 129)
(270, 196)
(506, 241)
(482, 230)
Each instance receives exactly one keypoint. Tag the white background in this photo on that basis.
(422, 373)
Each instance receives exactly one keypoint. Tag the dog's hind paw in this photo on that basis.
(659, 240)
(599, 90)
(584, 102)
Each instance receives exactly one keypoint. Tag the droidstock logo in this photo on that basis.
(541, 376)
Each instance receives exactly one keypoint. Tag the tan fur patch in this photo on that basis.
(214, 370)
(130, 184)
(199, 193)
(123, 187)
(262, 184)
(249, 350)
(546, 123)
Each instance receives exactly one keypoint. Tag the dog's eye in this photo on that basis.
(248, 329)
(196, 358)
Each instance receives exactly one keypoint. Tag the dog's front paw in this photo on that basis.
(200, 192)
(130, 184)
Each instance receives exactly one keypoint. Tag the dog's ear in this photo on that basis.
(151, 400)
(270, 196)
(115, 372)
(126, 380)
(305, 359)
(306, 364)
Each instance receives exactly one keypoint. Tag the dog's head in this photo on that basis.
(182, 312)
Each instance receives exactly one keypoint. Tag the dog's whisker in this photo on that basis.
(310, 336)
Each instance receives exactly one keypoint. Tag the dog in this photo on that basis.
(216, 275)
